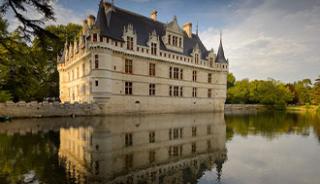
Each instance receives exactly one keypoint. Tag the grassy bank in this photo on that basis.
(304, 108)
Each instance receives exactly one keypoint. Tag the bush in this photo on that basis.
(318, 109)
(5, 96)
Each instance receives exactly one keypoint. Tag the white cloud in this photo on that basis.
(271, 39)
(62, 16)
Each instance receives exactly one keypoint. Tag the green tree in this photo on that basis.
(316, 92)
(239, 93)
(29, 27)
(230, 80)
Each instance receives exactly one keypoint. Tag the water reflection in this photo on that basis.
(149, 149)
(136, 149)
(158, 148)
(272, 124)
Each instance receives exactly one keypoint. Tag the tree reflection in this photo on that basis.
(272, 124)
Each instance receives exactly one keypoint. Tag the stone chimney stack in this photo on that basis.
(90, 20)
(154, 15)
(84, 27)
(107, 5)
(187, 27)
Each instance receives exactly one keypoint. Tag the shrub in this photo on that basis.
(5, 96)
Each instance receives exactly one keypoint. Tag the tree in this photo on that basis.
(31, 74)
(316, 92)
(230, 80)
(29, 27)
(239, 93)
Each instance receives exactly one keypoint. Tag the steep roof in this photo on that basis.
(112, 22)
(220, 55)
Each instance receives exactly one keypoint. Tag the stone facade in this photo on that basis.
(126, 76)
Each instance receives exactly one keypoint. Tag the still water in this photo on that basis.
(263, 148)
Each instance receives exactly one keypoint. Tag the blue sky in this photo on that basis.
(263, 39)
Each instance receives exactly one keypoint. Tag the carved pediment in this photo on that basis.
(174, 26)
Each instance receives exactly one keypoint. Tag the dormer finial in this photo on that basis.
(197, 28)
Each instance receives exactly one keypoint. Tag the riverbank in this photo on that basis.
(56, 109)
(303, 108)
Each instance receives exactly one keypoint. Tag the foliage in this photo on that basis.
(316, 92)
(5, 96)
(29, 27)
(28, 72)
(264, 92)
(230, 80)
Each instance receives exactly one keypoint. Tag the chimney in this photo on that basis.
(154, 15)
(187, 27)
(107, 5)
(84, 27)
(91, 19)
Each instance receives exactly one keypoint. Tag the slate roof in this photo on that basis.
(220, 55)
(111, 24)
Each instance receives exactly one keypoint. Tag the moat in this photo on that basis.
(269, 147)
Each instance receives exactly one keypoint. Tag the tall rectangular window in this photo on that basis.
(83, 69)
(193, 147)
(152, 137)
(97, 83)
(128, 139)
(95, 37)
(129, 161)
(211, 62)
(194, 75)
(181, 74)
(209, 93)
(152, 156)
(128, 66)
(78, 72)
(169, 39)
(176, 73)
(152, 89)
(194, 92)
(180, 42)
(128, 88)
(152, 69)
(181, 91)
(170, 72)
(196, 58)
(153, 48)
(96, 61)
(129, 43)
(194, 131)
(209, 77)
(170, 90)
(176, 91)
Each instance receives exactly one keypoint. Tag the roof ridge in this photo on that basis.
(139, 15)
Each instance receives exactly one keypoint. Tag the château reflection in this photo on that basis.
(144, 149)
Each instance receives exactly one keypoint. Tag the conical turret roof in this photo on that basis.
(220, 55)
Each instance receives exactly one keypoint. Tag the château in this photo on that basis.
(131, 63)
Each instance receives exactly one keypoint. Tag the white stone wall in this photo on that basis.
(111, 79)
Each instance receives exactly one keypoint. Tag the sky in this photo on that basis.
(262, 39)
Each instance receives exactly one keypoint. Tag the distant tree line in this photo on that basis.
(272, 92)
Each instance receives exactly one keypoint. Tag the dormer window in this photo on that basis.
(196, 58)
(211, 62)
(129, 43)
(95, 37)
(153, 48)
(180, 42)
(169, 39)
